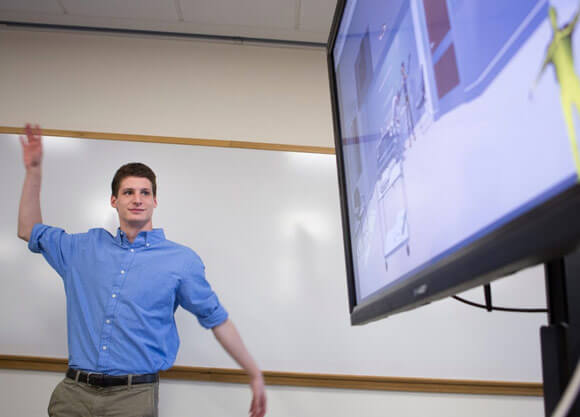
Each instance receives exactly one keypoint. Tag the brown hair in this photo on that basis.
(133, 169)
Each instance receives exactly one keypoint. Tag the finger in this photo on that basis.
(258, 408)
(38, 131)
(35, 133)
(255, 412)
(252, 405)
(30, 134)
(23, 141)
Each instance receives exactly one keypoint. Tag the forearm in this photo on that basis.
(228, 336)
(29, 212)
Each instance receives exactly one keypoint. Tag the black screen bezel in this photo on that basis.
(548, 231)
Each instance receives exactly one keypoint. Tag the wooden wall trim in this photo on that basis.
(353, 382)
(174, 140)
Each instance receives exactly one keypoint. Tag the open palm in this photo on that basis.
(32, 146)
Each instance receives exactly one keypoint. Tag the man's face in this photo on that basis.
(135, 202)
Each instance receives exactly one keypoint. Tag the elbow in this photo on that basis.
(24, 235)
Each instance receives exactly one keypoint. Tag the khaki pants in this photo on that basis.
(77, 399)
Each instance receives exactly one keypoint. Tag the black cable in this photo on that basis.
(510, 310)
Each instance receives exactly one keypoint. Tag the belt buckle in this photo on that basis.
(89, 377)
(96, 379)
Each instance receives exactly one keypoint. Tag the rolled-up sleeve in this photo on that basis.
(54, 244)
(196, 296)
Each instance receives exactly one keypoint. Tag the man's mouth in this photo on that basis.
(136, 210)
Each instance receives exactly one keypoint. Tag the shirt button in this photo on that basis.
(104, 348)
(108, 321)
(147, 244)
(122, 271)
(132, 250)
(114, 296)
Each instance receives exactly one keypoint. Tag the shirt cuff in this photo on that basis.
(215, 319)
(34, 240)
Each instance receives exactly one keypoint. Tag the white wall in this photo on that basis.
(165, 87)
(267, 225)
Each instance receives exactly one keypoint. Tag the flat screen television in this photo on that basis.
(456, 129)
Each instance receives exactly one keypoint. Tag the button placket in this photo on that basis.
(112, 306)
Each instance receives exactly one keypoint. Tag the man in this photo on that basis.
(122, 292)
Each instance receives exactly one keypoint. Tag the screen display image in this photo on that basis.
(455, 118)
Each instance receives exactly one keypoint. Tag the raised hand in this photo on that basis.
(29, 212)
(32, 146)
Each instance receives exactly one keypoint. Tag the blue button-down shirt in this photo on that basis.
(122, 296)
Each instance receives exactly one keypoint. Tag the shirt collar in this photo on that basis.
(144, 238)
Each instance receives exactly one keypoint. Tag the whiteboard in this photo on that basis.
(267, 225)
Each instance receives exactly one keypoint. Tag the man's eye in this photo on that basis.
(146, 193)
(127, 192)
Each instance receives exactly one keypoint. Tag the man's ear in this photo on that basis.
(113, 201)
(155, 202)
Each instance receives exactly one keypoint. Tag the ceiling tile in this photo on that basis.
(31, 6)
(316, 15)
(129, 9)
(264, 19)
(256, 13)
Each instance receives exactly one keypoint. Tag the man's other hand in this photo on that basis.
(258, 406)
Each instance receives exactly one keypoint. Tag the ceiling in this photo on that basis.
(284, 21)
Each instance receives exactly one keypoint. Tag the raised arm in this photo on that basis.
(228, 336)
(29, 211)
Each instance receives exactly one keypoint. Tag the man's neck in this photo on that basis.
(132, 230)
